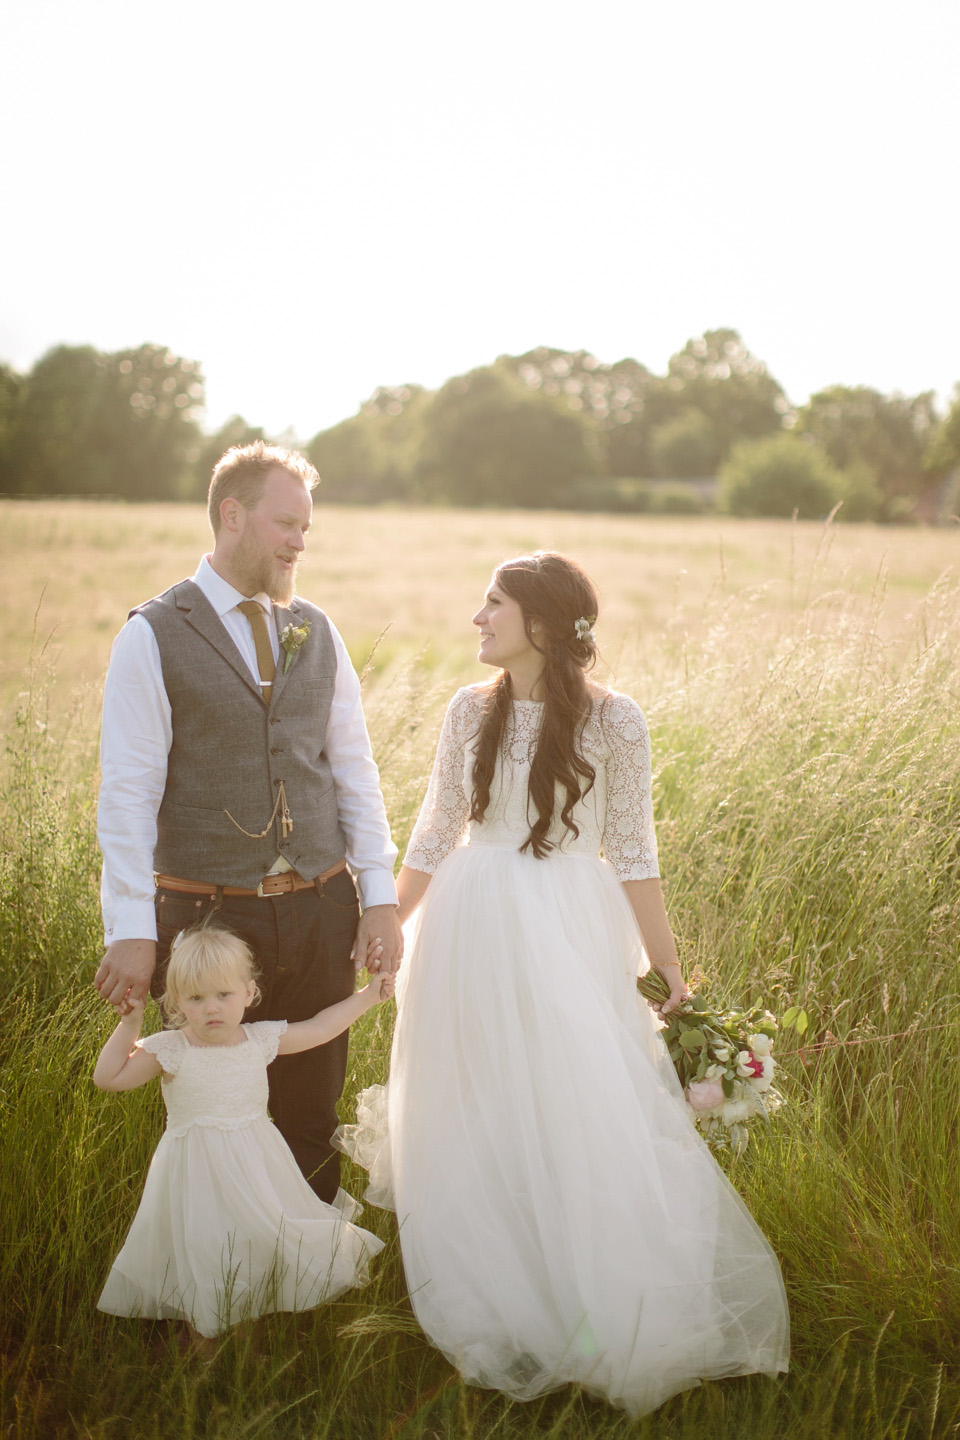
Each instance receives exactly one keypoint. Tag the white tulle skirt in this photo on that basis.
(560, 1219)
(228, 1229)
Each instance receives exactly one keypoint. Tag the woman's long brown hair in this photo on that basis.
(553, 593)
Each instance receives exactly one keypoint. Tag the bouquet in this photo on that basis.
(724, 1061)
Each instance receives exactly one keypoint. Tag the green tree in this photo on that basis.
(685, 447)
(371, 457)
(492, 439)
(944, 462)
(718, 376)
(776, 476)
(147, 430)
(614, 398)
(51, 453)
(12, 389)
(120, 424)
(890, 436)
(859, 493)
(234, 431)
(944, 450)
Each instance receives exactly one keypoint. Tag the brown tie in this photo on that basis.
(265, 661)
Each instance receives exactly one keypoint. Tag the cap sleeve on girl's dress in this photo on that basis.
(266, 1034)
(167, 1046)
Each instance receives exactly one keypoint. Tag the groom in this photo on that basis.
(237, 777)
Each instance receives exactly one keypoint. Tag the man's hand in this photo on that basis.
(125, 973)
(379, 942)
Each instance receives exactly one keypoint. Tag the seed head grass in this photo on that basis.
(807, 789)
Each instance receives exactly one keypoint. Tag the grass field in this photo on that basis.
(70, 571)
(802, 690)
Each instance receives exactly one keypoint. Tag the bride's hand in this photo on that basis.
(370, 961)
(673, 975)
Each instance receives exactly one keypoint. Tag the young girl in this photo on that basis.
(227, 1228)
(560, 1220)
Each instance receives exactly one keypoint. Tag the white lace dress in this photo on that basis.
(228, 1228)
(559, 1217)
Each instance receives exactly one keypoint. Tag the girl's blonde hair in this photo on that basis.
(197, 956)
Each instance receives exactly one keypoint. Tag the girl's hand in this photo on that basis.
(387, 983)
(679, 991)
(132, 1019)
(379, 987)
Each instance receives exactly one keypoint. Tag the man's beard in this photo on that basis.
(262, 572)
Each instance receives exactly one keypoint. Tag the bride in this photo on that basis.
(560, 1219)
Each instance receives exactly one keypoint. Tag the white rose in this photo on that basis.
(761, 1045)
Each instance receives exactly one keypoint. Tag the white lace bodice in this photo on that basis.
(615, 818)
(220, 1085)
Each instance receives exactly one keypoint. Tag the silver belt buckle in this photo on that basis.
(261, 892)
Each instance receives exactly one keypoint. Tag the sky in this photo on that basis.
(314, 199)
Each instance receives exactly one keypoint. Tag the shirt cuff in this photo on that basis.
(377, 887)
(131, 920)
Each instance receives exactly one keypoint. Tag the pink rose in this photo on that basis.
(704, 1094)
(755, 1066)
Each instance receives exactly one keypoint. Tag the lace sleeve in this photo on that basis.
(167, 1046)
(266, 1034)
(629, 841)
(442, 822)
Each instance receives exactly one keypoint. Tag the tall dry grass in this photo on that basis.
(808, 798)
(70, 570)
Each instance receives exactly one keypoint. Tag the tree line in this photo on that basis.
(550, 428)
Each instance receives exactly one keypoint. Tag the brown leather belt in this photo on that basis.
(284, 883)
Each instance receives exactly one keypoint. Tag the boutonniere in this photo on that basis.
(292, 637)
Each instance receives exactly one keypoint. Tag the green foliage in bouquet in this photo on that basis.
(724, 1062)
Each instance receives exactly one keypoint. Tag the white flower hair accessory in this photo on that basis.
(583, 629)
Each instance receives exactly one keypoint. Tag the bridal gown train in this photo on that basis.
(560, 1219)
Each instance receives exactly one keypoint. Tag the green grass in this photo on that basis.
(808, 799)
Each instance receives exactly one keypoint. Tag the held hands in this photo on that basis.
(125, 972)
(132, 1017)
(370, 962)
(382, 986)
(379, 944)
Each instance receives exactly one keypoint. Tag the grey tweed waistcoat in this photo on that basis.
(231, 752)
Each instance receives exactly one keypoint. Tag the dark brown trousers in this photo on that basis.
(302, 943)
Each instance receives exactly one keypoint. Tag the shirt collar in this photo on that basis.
(221, 594)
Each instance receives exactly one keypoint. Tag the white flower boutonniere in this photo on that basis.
(292, 637)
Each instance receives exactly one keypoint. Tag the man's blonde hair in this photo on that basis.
(205, 953)
(241, 473)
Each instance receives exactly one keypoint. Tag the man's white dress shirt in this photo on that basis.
(135, 742)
